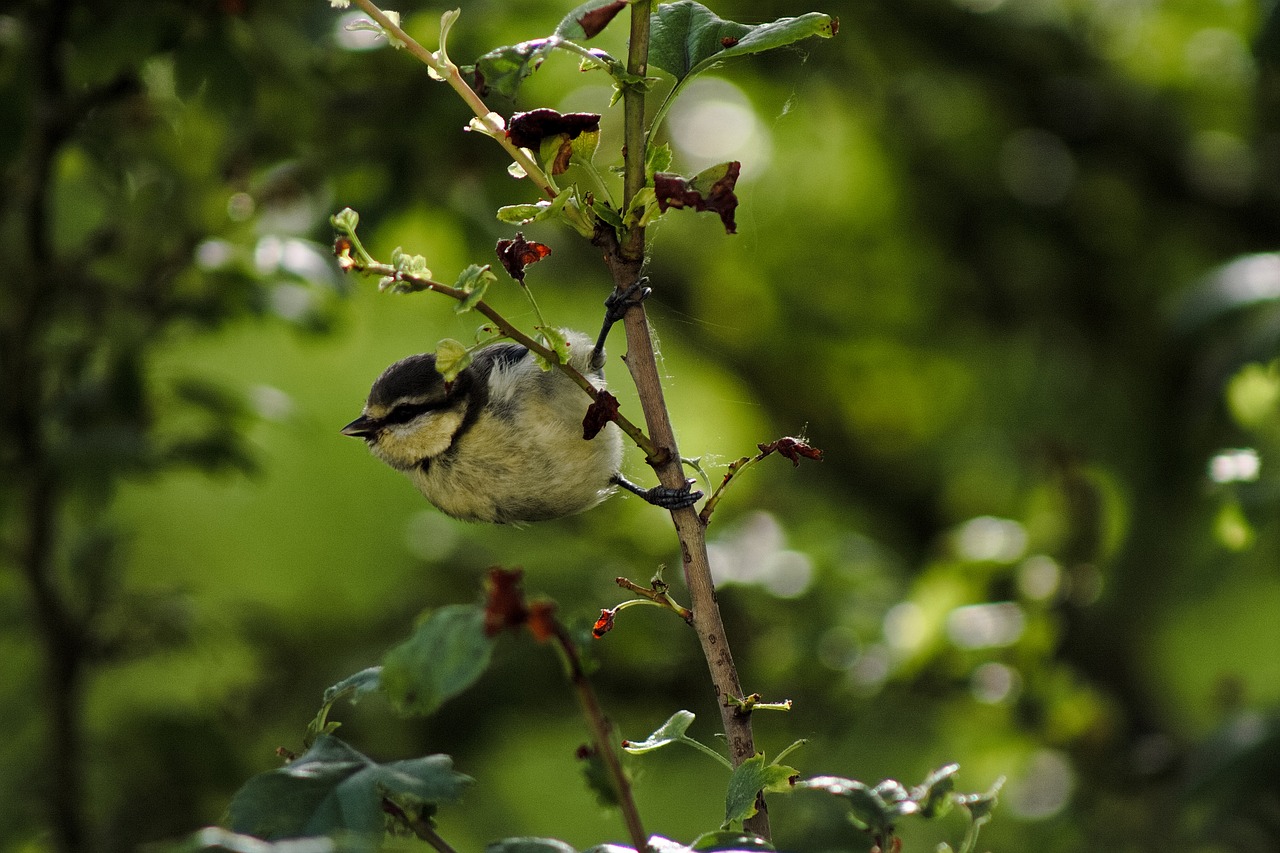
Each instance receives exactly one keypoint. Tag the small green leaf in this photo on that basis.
(980, 806)
(448, 651)
(523, 214)
(688, 38)
(657, 159)
(643, 208)
(503, 69)
(331, 788)
(584, 147)
(356, 686)
(750, 778)
(554, 340)
(414, 265)
(452, 357)
(933, 794)
(669, 732)
(474, 280)
(345, 220)
(609, 215)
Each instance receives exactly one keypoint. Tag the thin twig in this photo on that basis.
(449, 74)
(602, 735)
(421, 827)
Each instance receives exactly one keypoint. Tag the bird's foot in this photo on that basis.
(663, 496)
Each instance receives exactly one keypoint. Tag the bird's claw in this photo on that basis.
(663, 496)
(617, 304)
(669, 498)
(615, 308)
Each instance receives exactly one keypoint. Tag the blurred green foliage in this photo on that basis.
(1008, 262)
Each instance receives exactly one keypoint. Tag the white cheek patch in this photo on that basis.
(406, 445)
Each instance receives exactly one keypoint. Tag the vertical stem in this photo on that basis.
(625, 264)
(602, 736)
(633, 104)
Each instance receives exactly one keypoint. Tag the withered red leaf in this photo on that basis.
(527, 130)
(604, 624)
(517, 253)
(601, 411)
(793, 449)
(597, 19)
(504, 605)
(711, 190)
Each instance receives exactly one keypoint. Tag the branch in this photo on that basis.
(542, 619)
(624, 264)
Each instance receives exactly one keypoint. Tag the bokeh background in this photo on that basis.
(1006, 261)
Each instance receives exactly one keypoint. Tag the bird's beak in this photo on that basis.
(361, 427)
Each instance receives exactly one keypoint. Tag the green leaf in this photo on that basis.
(980, 806)
(414, 265)
(933, 794)
(589, 19)
(688, 38)
(452, 357)
(331, 788)
(607, 214)
(356, 686)
(503, 69)
(672, 731)
(448, 651)
(474, 281)
(657, 159)
(643, 208)
(523, 214)
(750, 778)
(345, 220)
(555, 341)
(528, 845)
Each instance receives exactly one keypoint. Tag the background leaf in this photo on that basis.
(332, 788)
(448, 651)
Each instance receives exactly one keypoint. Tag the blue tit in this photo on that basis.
(500, 443)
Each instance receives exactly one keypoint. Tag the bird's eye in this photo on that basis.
(406, 412)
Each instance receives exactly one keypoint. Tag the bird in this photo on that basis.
(503, 442)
